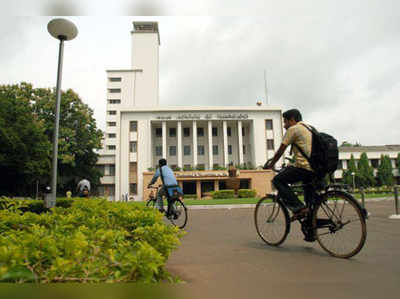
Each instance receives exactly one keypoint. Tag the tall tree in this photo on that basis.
(78, 134)
(25, 149)
(385, 171)
(351, 168)
(365, 172)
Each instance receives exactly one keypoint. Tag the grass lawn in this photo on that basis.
(254, 200)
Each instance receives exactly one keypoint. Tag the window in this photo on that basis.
(215, 131)
(133, 147)
(229, 149)
(201, 166)
(111, 123)
(158, 132)
(172, 150)
(270, 144)
(215, 150)
(115, 79)
(112, 112)
(200, 132)
(186, 132)
(172, 132)
(229, 131)
(114, 90)
(133, 189)
(111, 147)
(112, 169)
(244, 150)
(112, 135)
(268, 124)
(133, 126)
(187, 166)
(243, 131)
(200, 150)
(186, 150)
(340, 165)
(159, 150)
(114, 101)
(100, 168)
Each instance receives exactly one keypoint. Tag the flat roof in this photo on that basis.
(372, 148)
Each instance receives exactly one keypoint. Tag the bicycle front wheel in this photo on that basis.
(339, 225)
(179, 215)
(272, 221)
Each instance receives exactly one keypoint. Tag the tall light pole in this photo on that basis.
(62, 30)
(354, 185)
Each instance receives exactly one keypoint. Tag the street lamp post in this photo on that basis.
(354, 185)
(62, 30)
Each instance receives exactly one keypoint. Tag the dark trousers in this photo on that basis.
(292, 175)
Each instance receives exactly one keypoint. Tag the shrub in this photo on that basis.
(247, 193)
(223, 194)
(91, 241)
(190, 196)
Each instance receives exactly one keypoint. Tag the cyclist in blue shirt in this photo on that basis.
(169, 185)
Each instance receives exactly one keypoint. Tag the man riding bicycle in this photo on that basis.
(297, 134)
(170, 186)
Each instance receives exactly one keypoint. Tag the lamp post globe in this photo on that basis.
(62, 30)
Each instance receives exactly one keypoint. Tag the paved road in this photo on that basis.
(223, 255)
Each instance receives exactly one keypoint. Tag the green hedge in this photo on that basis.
(91, 241)
(34, 206)
(190, 196)
(247, 193)
(223, 194)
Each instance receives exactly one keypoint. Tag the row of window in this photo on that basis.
(187, 150)
(132, 124)
(200, 132)
(114, 101)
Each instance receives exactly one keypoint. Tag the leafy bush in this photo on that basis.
(190, 196)
(223, 194)
(91, 241)
(247, 193)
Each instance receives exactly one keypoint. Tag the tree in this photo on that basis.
(385, 171)
(348, 144)
(365, 176)
(78, 135)
(398, 164)
(351, 168)
(25, 149)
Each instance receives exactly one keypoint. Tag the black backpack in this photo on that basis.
(324, 157)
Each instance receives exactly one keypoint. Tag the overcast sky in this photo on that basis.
(337, 62)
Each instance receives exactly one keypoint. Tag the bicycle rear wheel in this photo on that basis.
(339, 225)
(272, 221)
(180, 216)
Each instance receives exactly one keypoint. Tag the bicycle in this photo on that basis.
(335, 219)
(179, 216)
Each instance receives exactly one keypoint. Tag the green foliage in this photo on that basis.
(218, 167)
(365, 174)
(25, 149)
(26, 132)
(223, 194)
(247, 193)
(398, 163)
(200, 167)
(92, 241)
(351, 168)
(385, 171)
(187, 168)
(190, 196)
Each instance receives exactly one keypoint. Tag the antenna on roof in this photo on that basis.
(265, 86)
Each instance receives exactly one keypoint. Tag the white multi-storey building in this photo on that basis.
(139, 131)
